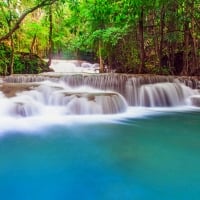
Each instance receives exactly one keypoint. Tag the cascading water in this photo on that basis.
(64, 95)
(164, 94)
(46, 95)
(71, 66)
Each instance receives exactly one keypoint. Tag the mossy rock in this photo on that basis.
(26, 63)
(4, 57)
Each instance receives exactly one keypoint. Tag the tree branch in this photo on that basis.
(21, 18)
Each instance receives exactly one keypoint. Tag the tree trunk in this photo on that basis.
(101, 67)
(141, 42)
(172, 26)
(33, 44)
(194, 45)
(162, 25)
(185, 69)
(109, 63)
(156, 33)
(11, 63)
(187, 49)
(50, 35)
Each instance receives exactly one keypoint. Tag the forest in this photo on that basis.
(124, 36)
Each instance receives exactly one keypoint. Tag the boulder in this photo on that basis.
(195, 100)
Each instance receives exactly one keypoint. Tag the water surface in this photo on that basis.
(138, 158)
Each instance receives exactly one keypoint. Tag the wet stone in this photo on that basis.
(195, 100)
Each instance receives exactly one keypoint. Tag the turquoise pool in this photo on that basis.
(156, 157)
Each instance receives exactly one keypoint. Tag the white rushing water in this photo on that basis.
(74, 66)
(30, 102)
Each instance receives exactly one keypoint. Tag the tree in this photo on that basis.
(132, 36)
(95, 27)
(14, 20)
(19, 20)
(50, 42)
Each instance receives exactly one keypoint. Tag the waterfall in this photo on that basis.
(148, 91)
(74, 66)
(36, 99)
(164, 94)
(80, 93)
(131, 86)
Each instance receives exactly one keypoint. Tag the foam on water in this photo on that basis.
(51, 116)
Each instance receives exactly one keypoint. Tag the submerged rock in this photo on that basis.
(195, 100)
(11, 89)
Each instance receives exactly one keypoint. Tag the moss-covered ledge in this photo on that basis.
(24, 62)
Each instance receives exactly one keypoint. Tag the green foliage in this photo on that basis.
(4, 58)
(110, 29)
(19, 65)
(152, 69)
(25, 63)
(109, 36)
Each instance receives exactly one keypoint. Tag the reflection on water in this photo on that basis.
(156, 157)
